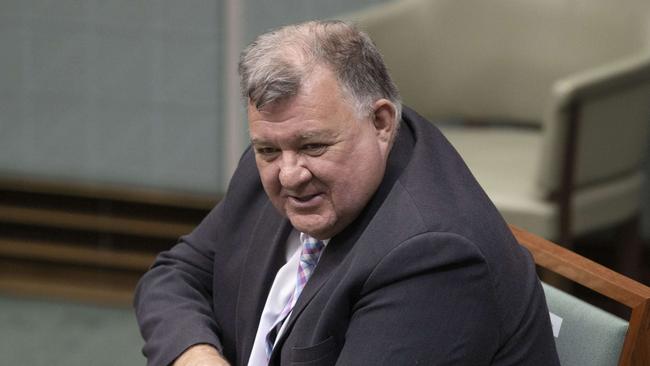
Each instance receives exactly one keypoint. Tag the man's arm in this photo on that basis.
(201, 355)
(173, 300)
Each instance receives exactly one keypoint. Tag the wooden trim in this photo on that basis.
(63, 257)
(636, 296)
(149, 196)
(93, 222)
(81, 284)
(636, 348)
(50, 289)
(75, 254)
(582, 270)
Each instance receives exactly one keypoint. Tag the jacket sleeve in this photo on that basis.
(174, 300)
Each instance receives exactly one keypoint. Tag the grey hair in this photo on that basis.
(274, 67)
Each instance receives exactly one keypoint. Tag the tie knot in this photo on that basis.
(311, 249)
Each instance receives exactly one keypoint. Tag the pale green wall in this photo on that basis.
(111, 91)
(262, 15)
(124, 91)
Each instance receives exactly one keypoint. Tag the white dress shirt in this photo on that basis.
(283, 286)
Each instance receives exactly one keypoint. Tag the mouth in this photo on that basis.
(305, 201)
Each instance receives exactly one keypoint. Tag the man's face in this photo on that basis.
(319, 162)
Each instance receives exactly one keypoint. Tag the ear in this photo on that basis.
(385, 123)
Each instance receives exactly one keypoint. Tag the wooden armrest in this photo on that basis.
(582, 270)
(636, 348)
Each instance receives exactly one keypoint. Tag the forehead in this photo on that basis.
(319, 88)
(318, 109)
(296, 129)
(293, 132)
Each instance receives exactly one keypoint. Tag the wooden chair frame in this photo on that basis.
(634, 295)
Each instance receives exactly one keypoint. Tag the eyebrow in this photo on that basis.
(316, 134)
(305, 136)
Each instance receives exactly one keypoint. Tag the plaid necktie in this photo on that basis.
(311, 249)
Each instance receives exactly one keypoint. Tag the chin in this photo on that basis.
(312, 231)
(318, 230)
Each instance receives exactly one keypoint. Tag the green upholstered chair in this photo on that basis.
(554, 96)
(586, 335)
(578, 326)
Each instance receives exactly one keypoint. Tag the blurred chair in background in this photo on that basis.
(553, 99)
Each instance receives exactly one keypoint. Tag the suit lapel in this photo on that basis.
(333, 255)
(264, 258)
(344, 242)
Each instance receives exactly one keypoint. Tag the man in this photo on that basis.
(351, 233)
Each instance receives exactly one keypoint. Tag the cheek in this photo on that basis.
(350, 187)
(358, 182)
(269, 177)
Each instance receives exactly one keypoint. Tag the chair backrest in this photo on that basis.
(606, 112)
(579, 69)
(594, 332)
(498, 59)
(578, 326)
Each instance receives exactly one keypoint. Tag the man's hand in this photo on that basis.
(201, 355)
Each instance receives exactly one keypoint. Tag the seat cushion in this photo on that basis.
(505, 162)
(586, 335)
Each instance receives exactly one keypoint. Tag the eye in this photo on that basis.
(266, 151)
(315, 149)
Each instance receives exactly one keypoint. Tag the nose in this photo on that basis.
(293, 174)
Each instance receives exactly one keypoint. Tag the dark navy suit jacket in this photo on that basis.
(428, 274)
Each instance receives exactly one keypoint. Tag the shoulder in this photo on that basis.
(240, 208)
(431, 252)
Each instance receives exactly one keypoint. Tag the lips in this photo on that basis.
(305, 198)
(305, 201)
